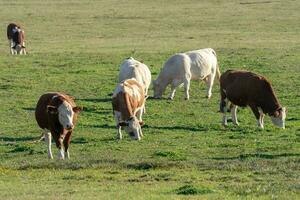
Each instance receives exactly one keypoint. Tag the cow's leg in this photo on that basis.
(139, 115)
(234, 115)
(119, 133)
(261, 118)
(257, 116)
(48, 140)
(59, 145)
(175, 83)
(223, 106)
(209, 83)
(186, 85)
(67, 141)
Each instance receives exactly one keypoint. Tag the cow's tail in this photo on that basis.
(217, 67)
(218, 72)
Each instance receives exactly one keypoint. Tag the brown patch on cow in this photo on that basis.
(126, 104)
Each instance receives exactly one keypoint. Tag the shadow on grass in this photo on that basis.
(96, 100)
(186, 128)
(95, 110)
(29, 109)
(105, 126)
(257, 155)
(17, 139)
(68, 164)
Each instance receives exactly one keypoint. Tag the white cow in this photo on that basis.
(181, 68)
(132, 68)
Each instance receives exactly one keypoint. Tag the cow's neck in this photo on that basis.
(126, 108)
(270, 105)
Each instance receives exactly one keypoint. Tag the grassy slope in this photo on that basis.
(77, 47)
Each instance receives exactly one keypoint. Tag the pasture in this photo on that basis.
(77, 47)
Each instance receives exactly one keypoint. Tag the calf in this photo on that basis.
(181, 68)
(128, 102)
(243, 88)
(56, 113)
(16, 39)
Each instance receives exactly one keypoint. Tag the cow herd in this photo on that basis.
(56, 113)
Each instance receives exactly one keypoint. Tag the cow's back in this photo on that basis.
(243, 88)
(10, 28)
(132, 68)
(203, 62)
(175, 67)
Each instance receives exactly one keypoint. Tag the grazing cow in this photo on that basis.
(243, 88)
(56, 113)
(128, 101)
(181, 68)
(16, 39)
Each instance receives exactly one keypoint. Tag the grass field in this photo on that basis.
(77, 46)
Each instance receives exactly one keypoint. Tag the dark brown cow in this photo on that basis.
(16, 39)
(243, 88)
(56, 113)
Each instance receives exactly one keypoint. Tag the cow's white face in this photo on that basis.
(279, 118)
(134, 129)
(157, 90)
(65, 115)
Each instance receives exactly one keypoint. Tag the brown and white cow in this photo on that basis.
(244, 88)
(128, 102)
(56, 113)
(16, 39)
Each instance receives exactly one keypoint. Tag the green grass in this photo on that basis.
(77, 47)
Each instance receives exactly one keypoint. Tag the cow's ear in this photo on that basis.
(141, 123)
(77, 109)
(52, 109)
(123, 123)
(276, 114)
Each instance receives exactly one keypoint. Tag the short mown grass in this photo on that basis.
(77, 46)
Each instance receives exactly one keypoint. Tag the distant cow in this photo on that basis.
(56, 113)
(243, 88)
(128, 101)
(16, 39)
(181, 68)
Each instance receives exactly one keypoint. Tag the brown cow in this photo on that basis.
(243, 88)
(128, 102)
(56, 113)
(16, 39)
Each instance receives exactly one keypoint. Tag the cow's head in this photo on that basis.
(133, 128)
(278, 117)
(157, 89)
(65, 114)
